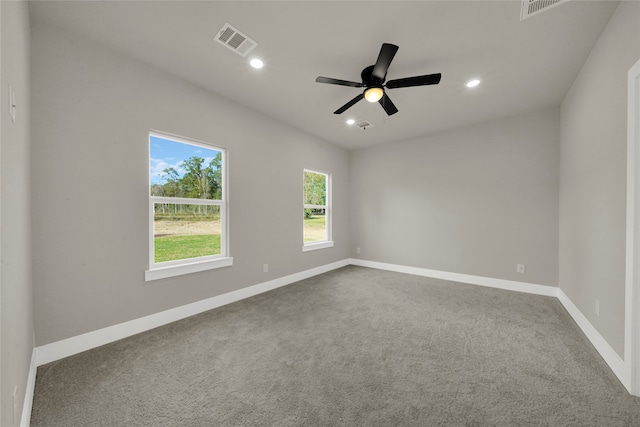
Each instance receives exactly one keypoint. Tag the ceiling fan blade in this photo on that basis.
(331, 81)
(387, 52)
(349, 104)
(388, 106)
(429, 79)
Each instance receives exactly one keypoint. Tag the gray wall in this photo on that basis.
(15, 214)
(92, 112)
(476, 200)
(593, 177)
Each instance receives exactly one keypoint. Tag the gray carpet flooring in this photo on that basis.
(353, 347)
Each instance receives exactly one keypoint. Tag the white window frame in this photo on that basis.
(328, 242)
(161, 270)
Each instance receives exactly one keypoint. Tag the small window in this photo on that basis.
(316, 210)
(187, 206)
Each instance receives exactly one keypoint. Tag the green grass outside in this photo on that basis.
(175, 247)
(171, 248)
(314, 228)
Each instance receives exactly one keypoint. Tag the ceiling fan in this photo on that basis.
(373, 80)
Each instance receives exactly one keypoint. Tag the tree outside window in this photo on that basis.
(187, 205)
(316, 209)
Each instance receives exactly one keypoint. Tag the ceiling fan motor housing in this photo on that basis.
(368, 80)
(373, 87)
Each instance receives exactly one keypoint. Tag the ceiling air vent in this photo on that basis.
(235, 40)
(533, 7)
(363, 124)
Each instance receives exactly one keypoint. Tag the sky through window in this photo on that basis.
(165, 154)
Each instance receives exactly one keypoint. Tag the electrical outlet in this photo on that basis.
(12, 104)
(265, 268)
(597, 307)
(520, 268)
(358, 249)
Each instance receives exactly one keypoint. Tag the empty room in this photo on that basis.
(315, 213)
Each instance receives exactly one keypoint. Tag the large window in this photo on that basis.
(316, 210)
(187, 208)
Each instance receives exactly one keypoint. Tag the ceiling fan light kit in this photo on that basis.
(373, 94)
(373, 80)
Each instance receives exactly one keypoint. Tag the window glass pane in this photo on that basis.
(315, 188)
(178, 169)
(315, 225)
(185, 231)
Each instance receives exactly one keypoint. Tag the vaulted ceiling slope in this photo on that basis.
(524, 65)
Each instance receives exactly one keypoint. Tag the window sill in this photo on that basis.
(317, 245)
(192, 267)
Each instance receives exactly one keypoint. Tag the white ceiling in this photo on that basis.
(524, 65)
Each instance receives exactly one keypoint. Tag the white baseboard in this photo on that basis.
(510, 285)
(64, 348)
(25, 420)
(609, 355)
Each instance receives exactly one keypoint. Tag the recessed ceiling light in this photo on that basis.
(350, 122)
(472, 83)
(256, 63)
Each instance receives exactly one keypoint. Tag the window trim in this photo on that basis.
(328, 242)
(173, 268)
(313, 246)
(186, 268)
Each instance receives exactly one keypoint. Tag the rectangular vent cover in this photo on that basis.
(533, 7)
(235, 40)
(363, 124)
